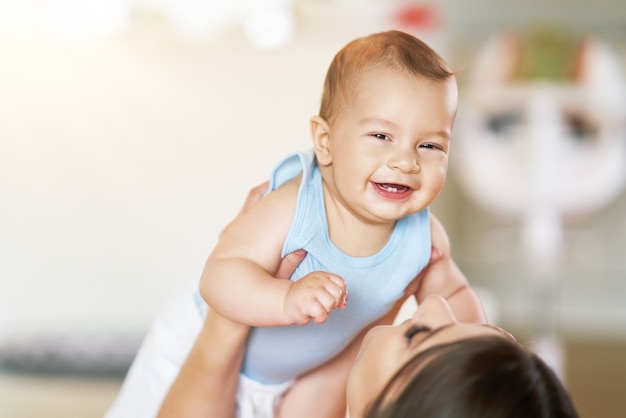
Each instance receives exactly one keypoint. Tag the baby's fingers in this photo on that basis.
(337, 289)
(319, 313)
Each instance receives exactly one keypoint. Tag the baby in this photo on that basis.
(358, 204)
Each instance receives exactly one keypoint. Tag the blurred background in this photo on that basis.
(131, 130)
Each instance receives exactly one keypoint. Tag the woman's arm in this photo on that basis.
(443, 277)
(207, 383)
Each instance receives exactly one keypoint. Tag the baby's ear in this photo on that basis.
(320, 134)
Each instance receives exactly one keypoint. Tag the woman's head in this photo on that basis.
(478, 377)
(433, 366)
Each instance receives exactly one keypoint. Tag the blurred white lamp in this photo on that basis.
(544, 148)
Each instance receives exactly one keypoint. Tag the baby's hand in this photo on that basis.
(314, 297)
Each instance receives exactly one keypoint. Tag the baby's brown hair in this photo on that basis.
(392, 49)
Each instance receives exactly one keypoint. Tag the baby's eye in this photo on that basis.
(381, 136)
(432, 146)
(413, 331)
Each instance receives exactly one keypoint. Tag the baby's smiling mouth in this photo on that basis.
(393, 188)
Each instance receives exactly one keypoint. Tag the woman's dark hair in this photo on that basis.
(480, 377)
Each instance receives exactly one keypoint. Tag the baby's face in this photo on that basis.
(389, 144)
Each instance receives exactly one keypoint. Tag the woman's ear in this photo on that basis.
(320, 134)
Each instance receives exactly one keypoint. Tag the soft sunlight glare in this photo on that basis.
(77, 21)
(270, 28)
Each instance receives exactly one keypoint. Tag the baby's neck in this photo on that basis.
(352, 235)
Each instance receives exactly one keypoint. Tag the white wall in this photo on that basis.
(120, 162)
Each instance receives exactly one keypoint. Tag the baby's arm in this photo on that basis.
(236, 283)
(444, 277)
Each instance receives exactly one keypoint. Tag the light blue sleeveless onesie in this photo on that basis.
(374, 283)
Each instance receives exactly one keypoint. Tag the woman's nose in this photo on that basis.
(434, 312)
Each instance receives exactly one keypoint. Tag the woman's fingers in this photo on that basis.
(289, 264)
(254, 196)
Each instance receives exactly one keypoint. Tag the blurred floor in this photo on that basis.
(596, 375)
(50, 397)
(596, 372)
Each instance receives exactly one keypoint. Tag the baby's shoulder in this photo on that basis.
(438, 235)
(286, 194)
(290, 187)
